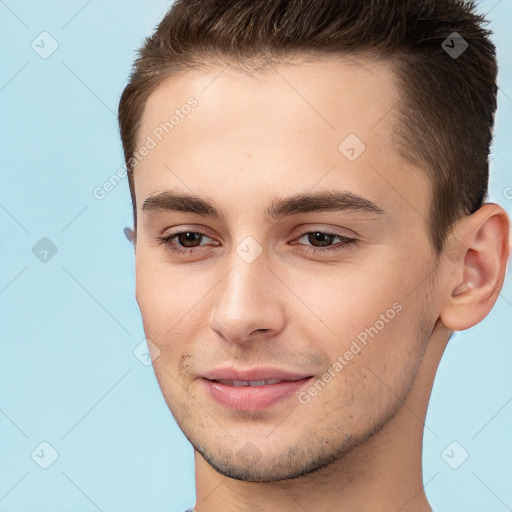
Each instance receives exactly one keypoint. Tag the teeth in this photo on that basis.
(257, 383)
(240, 383)
(252, 383)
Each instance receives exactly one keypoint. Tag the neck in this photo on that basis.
(383, 473)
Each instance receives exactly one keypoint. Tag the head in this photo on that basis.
(266, 132)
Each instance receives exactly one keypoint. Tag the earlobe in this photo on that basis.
(477, 267)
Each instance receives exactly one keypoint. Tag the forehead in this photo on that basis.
(288, 125)
(314, 92)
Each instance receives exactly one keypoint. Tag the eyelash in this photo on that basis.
(346, 242)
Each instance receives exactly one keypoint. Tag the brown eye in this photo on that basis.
(321, 242)
(322, 238)
(187, 241)
(188, 238)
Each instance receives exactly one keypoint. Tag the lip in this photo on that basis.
(252, 398)
(261, 373)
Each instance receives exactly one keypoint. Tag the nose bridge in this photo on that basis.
(245, 299)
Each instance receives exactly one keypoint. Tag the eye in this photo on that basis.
(325, 240)
(187, 239)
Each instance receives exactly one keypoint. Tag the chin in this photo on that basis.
(249, 465)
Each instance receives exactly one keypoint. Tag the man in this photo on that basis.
(308, 182)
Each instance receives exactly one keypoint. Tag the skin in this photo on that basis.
(356, 445)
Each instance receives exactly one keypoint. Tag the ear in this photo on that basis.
(477, 252)
(130, 235)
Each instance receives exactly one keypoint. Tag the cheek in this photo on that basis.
(371, 372)
(170, 301)
(375, 322)
(166, 314)
(350, 299)
(160, 292)
(392, 347)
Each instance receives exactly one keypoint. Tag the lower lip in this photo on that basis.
(253, 398)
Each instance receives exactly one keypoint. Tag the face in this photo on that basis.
(302, 258)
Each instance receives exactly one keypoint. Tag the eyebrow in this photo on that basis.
(323, 201)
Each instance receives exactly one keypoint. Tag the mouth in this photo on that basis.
(253, 395)
(252, 383)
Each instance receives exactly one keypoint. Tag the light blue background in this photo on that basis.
(68, 374)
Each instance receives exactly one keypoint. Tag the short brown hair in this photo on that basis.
(446, 115)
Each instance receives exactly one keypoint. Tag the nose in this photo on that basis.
(248, 302)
